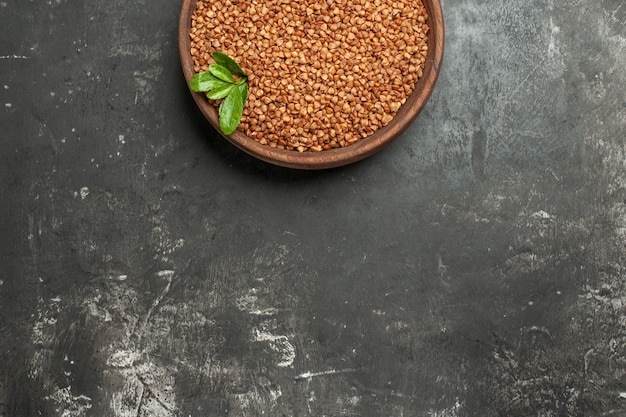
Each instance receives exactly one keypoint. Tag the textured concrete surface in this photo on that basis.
(475, 267)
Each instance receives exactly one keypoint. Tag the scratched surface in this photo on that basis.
(475, 267)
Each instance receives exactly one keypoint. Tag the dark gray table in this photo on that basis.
(475, 267)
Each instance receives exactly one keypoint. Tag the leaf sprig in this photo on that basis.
(224, 80)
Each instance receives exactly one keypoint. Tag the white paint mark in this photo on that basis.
(71, 405)
(6, 87)
(279, 344)
(622, 394)
(542, 215)
(556, 177)
(311, 398)
(264, 312)
(397, 325)
(537, 329)
(147, 390)
(166, 273)
(554, 31)
(452, 411)
(8, 105)
(121, 139)
(13, 57)
(351, 401)
(147, 386)
(309, 375)
(248, 304)
(84, 192)
(440, 266)
(122, 358)
(586, 359)
(95, 311)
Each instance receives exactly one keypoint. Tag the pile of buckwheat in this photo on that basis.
(322, 73)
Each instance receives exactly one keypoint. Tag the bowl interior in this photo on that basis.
(338, 156)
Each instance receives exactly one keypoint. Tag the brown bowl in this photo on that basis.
(337, 156)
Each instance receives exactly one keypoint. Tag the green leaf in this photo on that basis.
(221, 72)
(205, 81)
(228, 63)
(221, 92)
(230, 111)
(243, 89)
